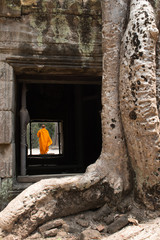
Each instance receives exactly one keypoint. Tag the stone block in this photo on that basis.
(6, 89)
(10, 8)
(50, 233)
(50, 225)
(5, 169)
(6, 95)
(118, 224)
(102, 212)
(5, 161)
(82, 222)
(71, 228)
(28, 2)
(6, 72)
(89, 234)
(108, 220)
(6, 127)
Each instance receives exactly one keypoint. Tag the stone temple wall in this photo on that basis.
(42, 37)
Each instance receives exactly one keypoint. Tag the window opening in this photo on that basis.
(55, 131)
(74, 110)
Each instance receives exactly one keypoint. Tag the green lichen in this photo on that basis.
(39, 27)
(5, 191)
(44, 6)
(87, 36)
(87, 48)
(80, 30)
(14, 4)
(61, 30)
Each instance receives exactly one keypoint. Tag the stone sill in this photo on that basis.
(36, 178)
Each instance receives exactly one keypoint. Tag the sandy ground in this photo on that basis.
(35, 151)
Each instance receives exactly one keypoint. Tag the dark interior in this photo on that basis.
(78, 106)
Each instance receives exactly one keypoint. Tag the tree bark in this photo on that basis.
(138, 100)
(114, 157)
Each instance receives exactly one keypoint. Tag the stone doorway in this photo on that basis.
(75, 102)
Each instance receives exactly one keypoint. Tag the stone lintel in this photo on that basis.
(59, 65)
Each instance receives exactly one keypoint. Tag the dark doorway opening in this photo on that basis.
(77, 108)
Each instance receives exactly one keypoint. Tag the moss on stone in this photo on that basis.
(39, 27)
(13, 4)
(5, 192)
(61, 29)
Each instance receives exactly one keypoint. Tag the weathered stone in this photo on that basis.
(82, 222)
(29, 2)
(6, 120)
(118, 224)
(66, 227)
(6, 72)
(149, 230)
(5, 192)
(50, 225)
(34, 236)
(133, 221)
(5, 169)
(72, 34)
(124, 206)
(108, 220)
(102, 212)
(10, 8)
(6, 102)
(11, 237)
(6, 90)
(100, 228)
(62, 234)
(53, 31)
(71, 228)
(6, 95)
(50, 233)
(90, 234)
(6, 151)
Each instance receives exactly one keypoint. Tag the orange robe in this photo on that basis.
(44, 140)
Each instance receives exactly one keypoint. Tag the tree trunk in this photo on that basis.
(138, 100)
(114, 154)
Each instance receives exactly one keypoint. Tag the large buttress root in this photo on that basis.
(138, 105)
(54, 198)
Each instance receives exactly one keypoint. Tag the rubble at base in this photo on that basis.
(129, 219)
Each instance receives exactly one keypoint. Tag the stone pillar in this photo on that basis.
(24, 120)
(6, 119)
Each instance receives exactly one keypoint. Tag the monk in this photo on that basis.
(44, 140)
